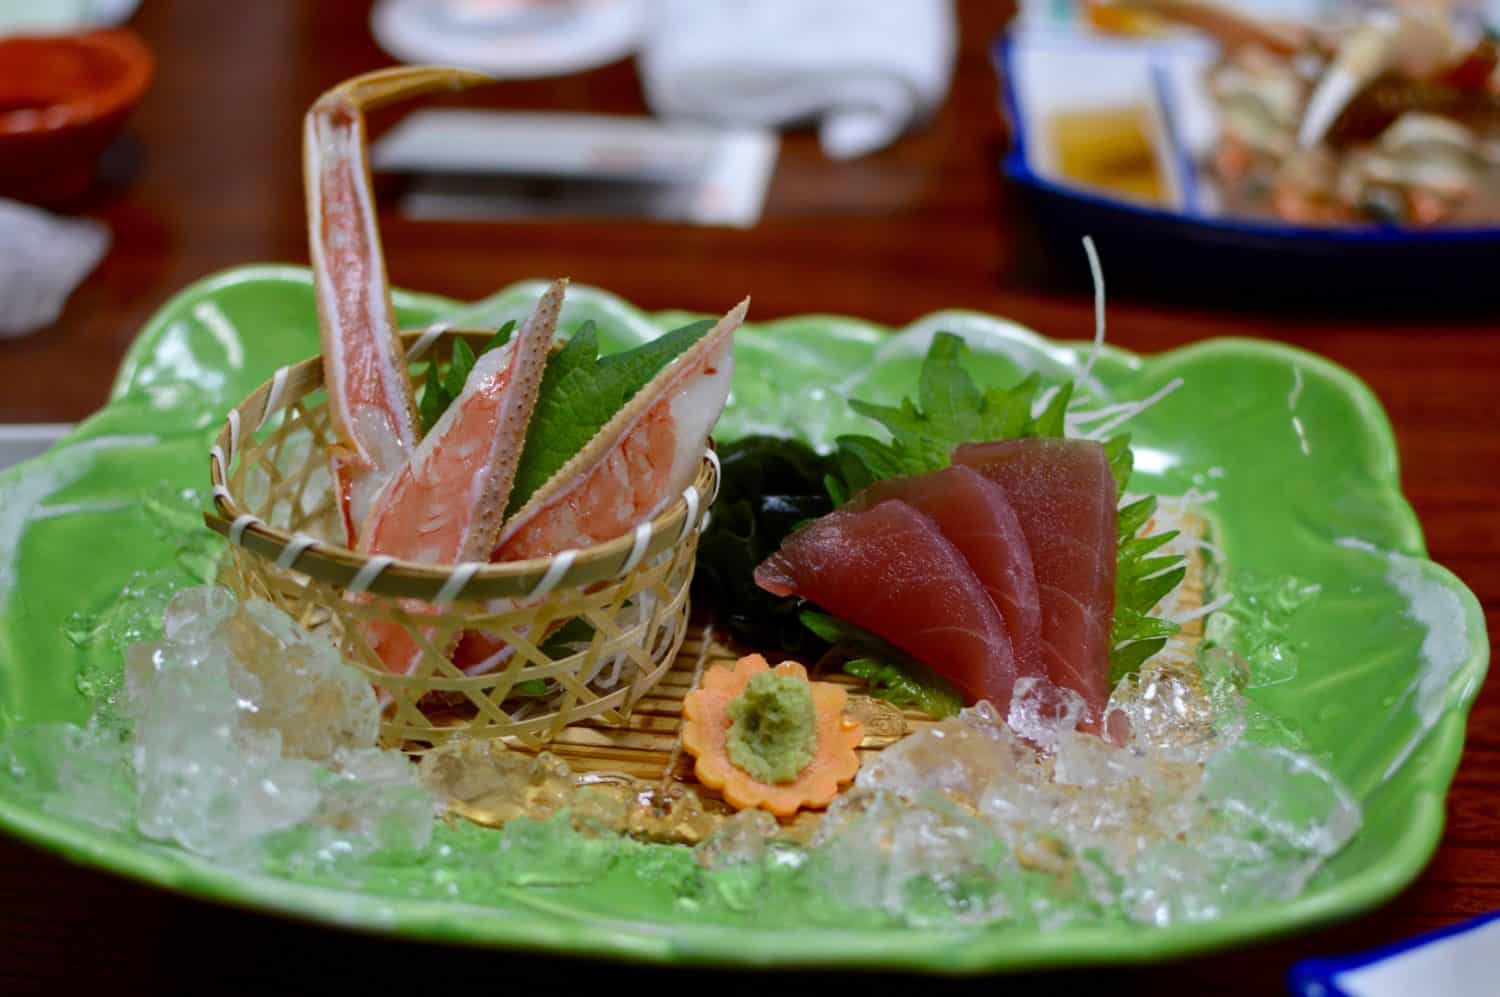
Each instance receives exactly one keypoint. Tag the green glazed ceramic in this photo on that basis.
(1372, 651)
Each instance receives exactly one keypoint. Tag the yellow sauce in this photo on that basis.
(1109, 149)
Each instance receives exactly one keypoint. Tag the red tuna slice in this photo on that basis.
(890, 570)
(976, 517)
(1064, 495)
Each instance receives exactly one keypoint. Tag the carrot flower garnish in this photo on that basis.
(767, 737)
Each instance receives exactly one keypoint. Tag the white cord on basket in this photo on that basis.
(713, 459)
(637, 548)
(289, 554)
(457, 582)
(368, 572)
(273, 400)
(429, 336)
(555, 572)
(691, 519)
(237, 528)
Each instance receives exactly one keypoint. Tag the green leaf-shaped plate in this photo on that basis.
(1373, 651)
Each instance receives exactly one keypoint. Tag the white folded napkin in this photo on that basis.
(866, 71)
(54, 16)
(42, 259)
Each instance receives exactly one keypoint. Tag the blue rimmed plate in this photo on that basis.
(1183, 246)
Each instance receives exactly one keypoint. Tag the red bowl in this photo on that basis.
(63, 98)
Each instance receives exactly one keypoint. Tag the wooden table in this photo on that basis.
(212, 179)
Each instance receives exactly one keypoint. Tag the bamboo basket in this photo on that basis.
(274, 502)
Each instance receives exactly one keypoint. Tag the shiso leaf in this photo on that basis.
(951, 410)
(443, 387)
(1050, 422)
(890, 673)
(1121, 463)
(1136, 515)
(582, 391)
(836, 488)
(1129, 659)
(459, 368)
(863, 460)
(564, 642)
(1007, 413)
(435, 398)
(947, 394)
(500, 338)
(923, 438)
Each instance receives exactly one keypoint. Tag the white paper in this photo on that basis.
(491, 164)
(42, 259)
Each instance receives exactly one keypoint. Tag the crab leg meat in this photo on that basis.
(447, 504)
(370, 399)
(639, 462)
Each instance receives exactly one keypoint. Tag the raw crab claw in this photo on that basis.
(446, 505)
(1417, 44)
(370, 400)
(638, 463)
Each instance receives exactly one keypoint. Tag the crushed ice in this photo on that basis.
(238, 725)
(1172, 815)
(242, 737)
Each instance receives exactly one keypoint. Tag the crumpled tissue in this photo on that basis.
(42, 259)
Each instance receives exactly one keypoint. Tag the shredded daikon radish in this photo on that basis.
(1173, 512)
(1183, 616)
(1043, 399)
(1097, 273)
(1131, 410)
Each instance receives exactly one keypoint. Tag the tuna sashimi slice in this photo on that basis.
(974, 514)
(1065, 498)
(890, 570)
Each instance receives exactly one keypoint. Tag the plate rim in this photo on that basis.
(962, 951)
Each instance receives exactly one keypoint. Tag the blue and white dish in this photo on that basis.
(1184, 243)
(1457, 961)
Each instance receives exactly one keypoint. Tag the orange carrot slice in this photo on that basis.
(705, 736)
